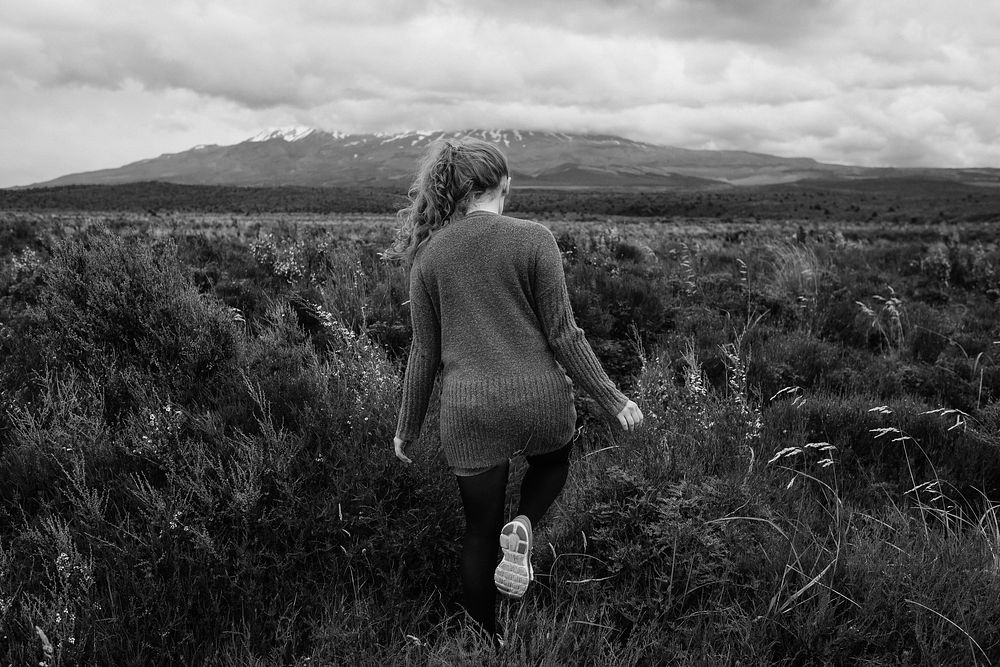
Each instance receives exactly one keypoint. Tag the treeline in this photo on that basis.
(871, 200)
(153, 196)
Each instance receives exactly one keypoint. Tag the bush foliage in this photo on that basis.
(196, 419)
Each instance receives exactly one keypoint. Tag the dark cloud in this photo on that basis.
(761, 22)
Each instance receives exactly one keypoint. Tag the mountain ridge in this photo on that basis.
(309, 156)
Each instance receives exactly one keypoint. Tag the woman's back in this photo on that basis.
(480, 274)
(488, 298)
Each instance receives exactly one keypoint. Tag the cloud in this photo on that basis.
(764, 22)
(311, 54)
(892, 82)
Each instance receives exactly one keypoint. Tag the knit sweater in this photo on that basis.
(488, 299)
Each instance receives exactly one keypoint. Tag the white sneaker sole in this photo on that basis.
(514, 572)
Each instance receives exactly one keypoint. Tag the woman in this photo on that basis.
(488, 299)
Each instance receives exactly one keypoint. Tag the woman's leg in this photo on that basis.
(543, 481)
(483, 500)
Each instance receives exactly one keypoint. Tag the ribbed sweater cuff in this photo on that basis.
(417, 385)
(583, 366)
(611, 401)
(404, 433)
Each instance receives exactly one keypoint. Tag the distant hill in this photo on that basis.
(309, 157)
(312, 157)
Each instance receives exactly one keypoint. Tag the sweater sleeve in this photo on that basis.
(422, 366)
(566, 339)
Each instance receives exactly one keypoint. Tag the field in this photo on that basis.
(196, 414)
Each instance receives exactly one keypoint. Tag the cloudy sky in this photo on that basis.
(88, 84)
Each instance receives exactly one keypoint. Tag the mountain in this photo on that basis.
(312, 157)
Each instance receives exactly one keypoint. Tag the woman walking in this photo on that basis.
(488, 299)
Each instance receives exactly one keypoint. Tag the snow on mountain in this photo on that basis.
(291, 133)
(506, 137)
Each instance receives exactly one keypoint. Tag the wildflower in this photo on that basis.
(62, 562)
(25, 263)
(740, 391)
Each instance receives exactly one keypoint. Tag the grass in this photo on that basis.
(195, 428)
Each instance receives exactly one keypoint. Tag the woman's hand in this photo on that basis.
(400, 445)
(630, 416)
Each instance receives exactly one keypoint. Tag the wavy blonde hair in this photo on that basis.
(451, 175)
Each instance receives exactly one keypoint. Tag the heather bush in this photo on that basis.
(347, 279)
(197, 482)
(930, 333)
(974, 266)
(936, 264)
(781, 359)
(195, 446)
(615, 286)
(125, 311)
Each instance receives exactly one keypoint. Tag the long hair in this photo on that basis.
(450, 177)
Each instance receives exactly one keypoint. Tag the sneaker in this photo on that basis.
(514, 572)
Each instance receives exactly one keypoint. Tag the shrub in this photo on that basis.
(929, 334)
(110, 307)
(184, 516)
(974, 267)
(936, 265)
(159, 507)
(653, 540)
(783, 359)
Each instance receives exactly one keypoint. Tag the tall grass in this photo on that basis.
(194, 442)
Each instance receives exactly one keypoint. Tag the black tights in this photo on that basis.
(483, 500)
